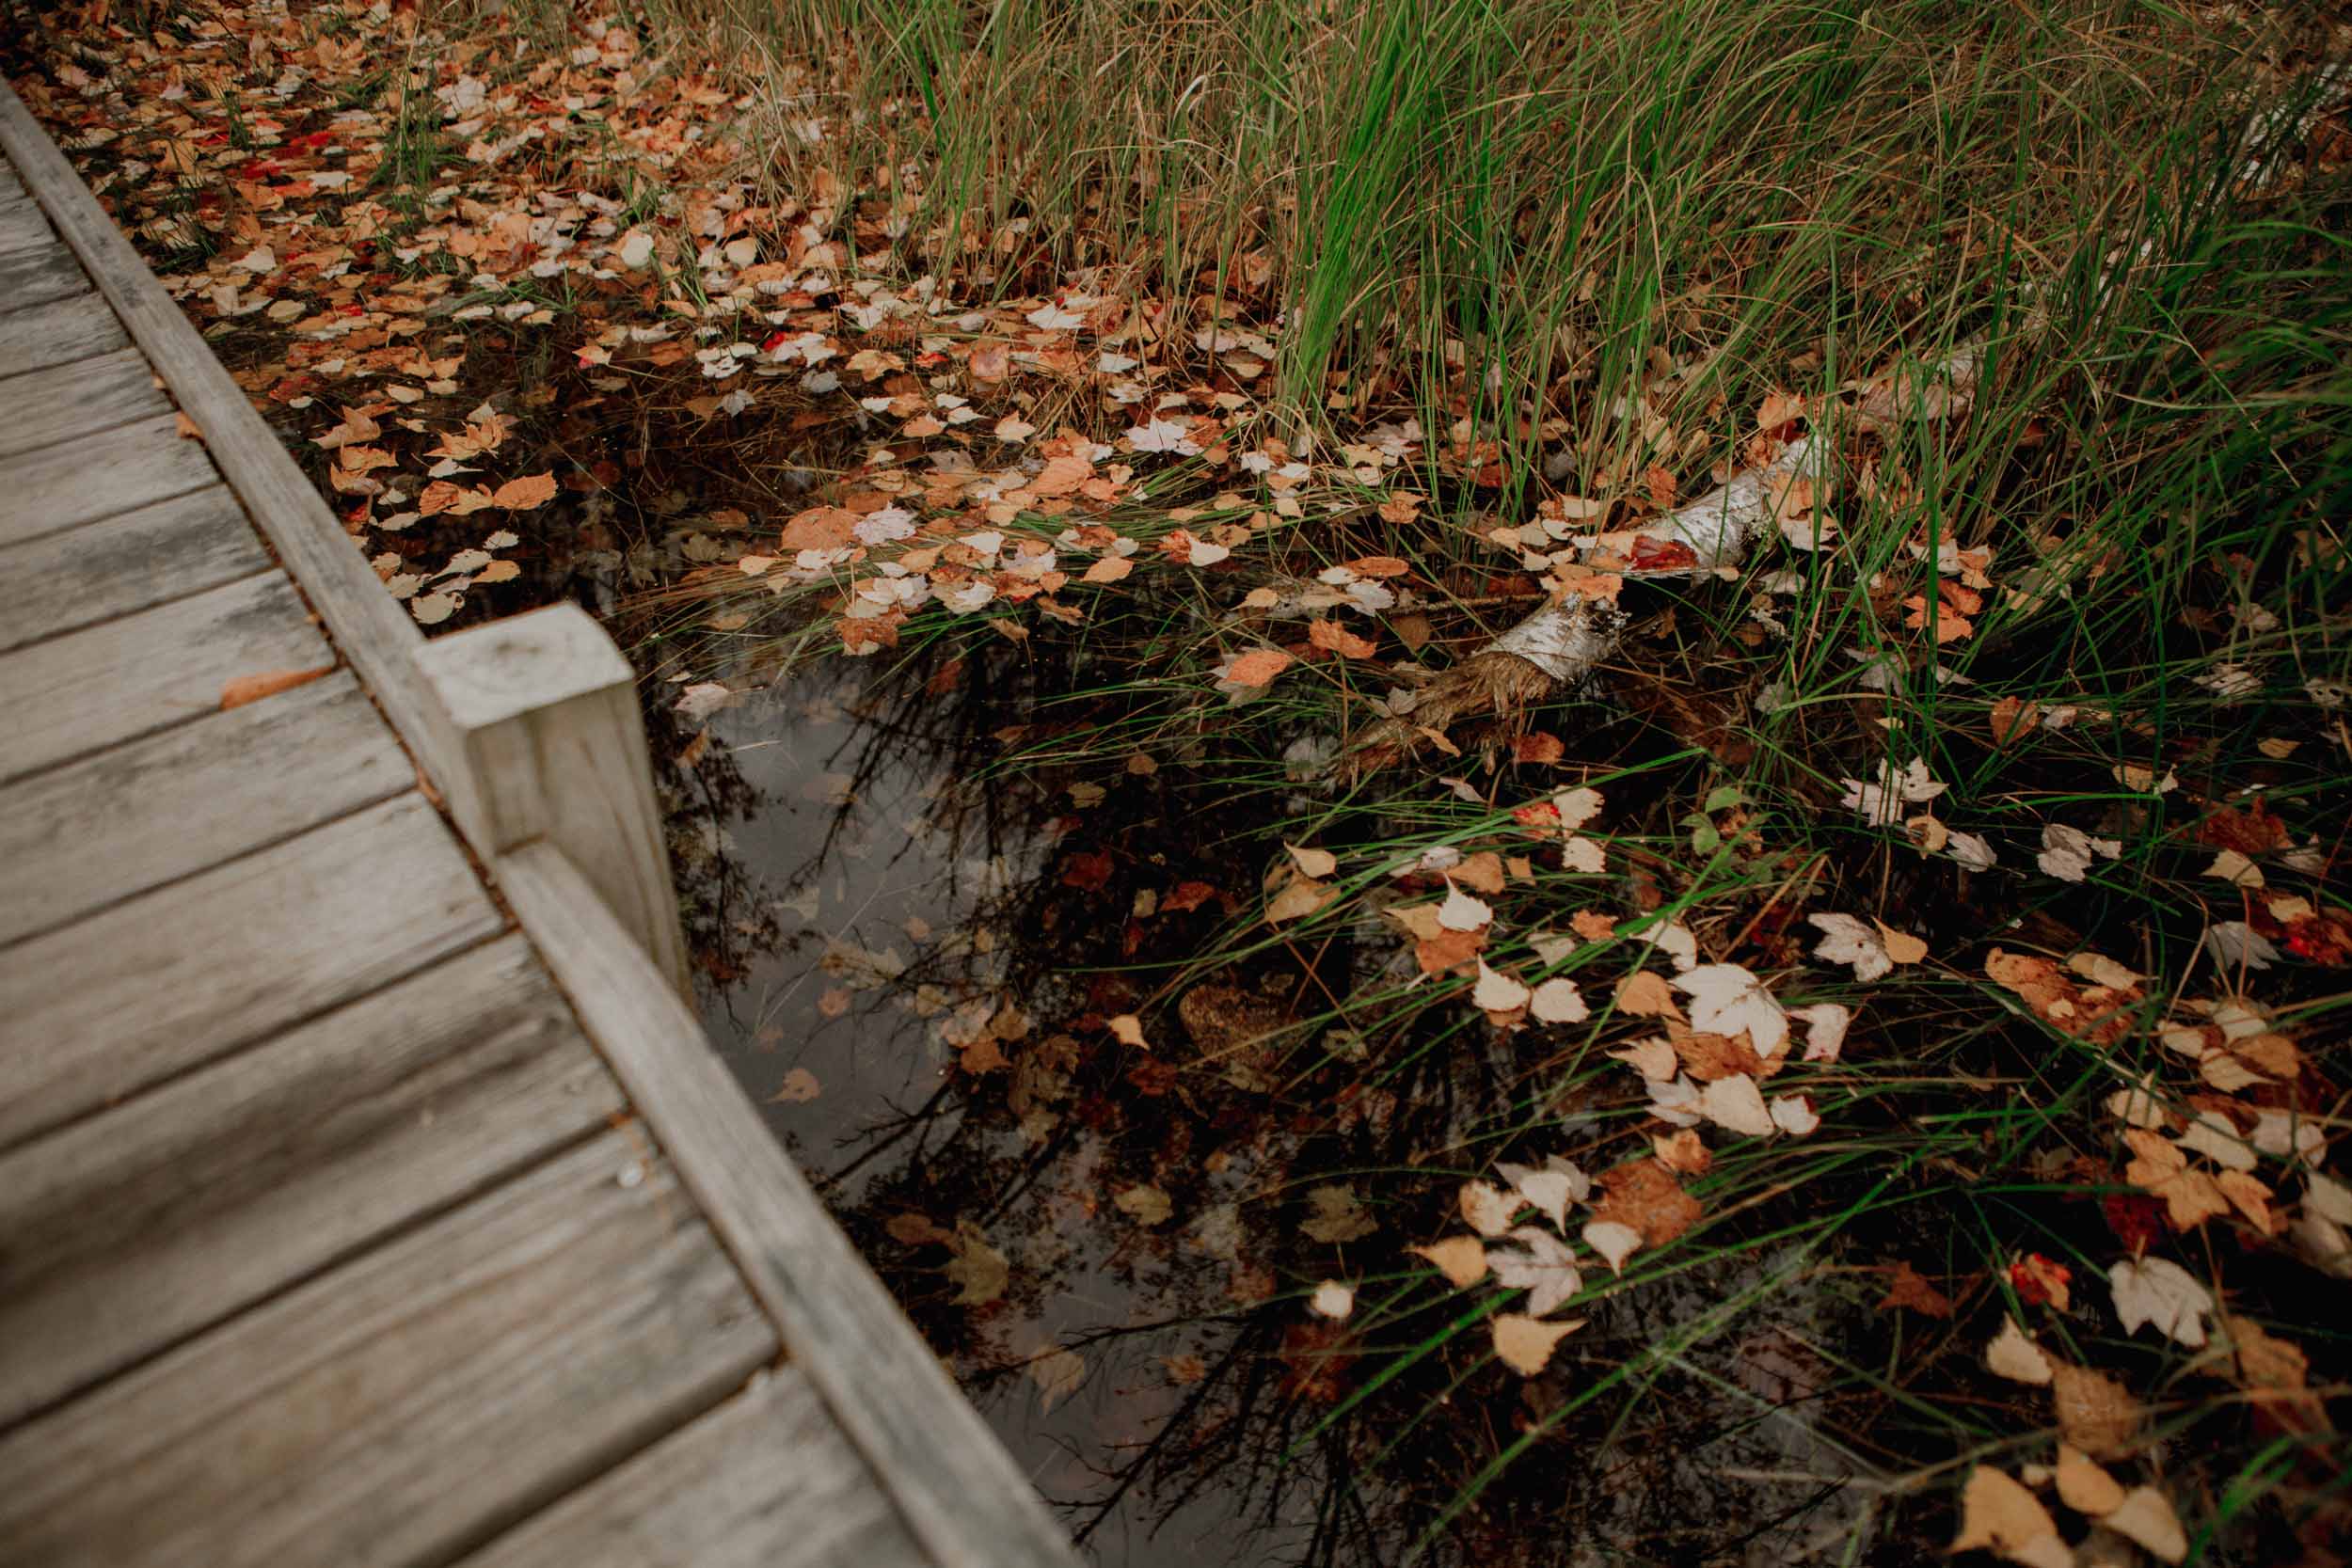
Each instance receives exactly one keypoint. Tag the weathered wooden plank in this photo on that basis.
(374, 633)
(107, 1006)
(42, 407)
(407, 1406)
(77, 838)
(89, 689)
(766, 1481)
(541, 711)
(62, 582)
(133, 1230)
(955, 1486)
(37, 274)
(79, 482)
(23, 228)
(58, 333)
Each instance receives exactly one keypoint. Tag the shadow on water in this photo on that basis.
(916, 956)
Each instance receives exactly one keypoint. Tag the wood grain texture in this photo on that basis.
(954, 1484)
(58, 333)
(542, 711)
(81, 836)
(39, 273)
(375, 634)
(766, 1481)
(133, 1230)
(63, 582)
(407, 1406)
(109, 1005)
(79, 693)
(88, 397)
(79, 482)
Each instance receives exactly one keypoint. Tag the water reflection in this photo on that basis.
(915, 959)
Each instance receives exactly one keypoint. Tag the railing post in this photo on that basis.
(540, 727)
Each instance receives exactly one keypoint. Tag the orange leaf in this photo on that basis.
(253, 688)
(521, 494)
(1331, 637)
(1258, 667)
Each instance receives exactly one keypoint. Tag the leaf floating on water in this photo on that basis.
(1147, 1204)
(980, 1272)
(800, 1086)
(1525, 1345)
(525, 494)
(1058, 1374)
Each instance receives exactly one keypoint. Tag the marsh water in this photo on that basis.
(908, 963)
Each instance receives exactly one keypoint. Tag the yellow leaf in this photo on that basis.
(1460, 1259)
(1902, 946)
(522, 495)
(1526, 1343)
(1998, 1514)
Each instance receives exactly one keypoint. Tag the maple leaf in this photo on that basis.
(2158, 1291)
(1537, 1261)
(1910, 1290)
(1725, 999)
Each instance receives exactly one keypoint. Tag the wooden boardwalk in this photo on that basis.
(368, 1195)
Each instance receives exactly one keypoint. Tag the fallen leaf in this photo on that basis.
(2158, 1291)
(800, 1086)
(980, 1271)
(1525, 1345)
(1486, 1208)
(2145, 1517)
(1461, 1258)
(1497, 992)
(1614, 1241)
(2095, 1413)
(1557, 1001)
(1128, 1029)
(1645, 994)
(1337, 1215)
(1538, 1262)
(1256, 667)
(1999, 1514)
(2083, 1486)
(253, 688)
(1147, 1204)
(522, 495)
(1332, 1300)
(1646, 1195)
(1058, 1374)
(1910, 1292)
(2014, 1355)
(1725, 999)
(1737, 1105)
(1313, 863)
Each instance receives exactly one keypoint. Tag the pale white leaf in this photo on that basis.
(1614, 1241)
(1725, 999)
(2158, 1291)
